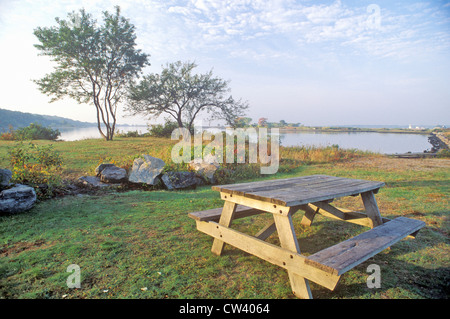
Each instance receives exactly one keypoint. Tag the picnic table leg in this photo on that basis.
(226, 217)
(309, 214)
(371, 208)
(288, 240)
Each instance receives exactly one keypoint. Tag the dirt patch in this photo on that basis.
(386, 163)
(22, 246)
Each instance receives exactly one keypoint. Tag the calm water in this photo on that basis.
(385, 143)
(92, 132)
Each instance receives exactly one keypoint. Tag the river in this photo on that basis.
(384, 143)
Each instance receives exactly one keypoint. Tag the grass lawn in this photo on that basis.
(141, 244)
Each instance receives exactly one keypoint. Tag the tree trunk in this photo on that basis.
(109, 130)
(180, 122)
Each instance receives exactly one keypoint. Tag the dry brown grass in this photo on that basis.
(396, 164)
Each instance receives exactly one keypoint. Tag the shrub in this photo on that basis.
(128, 134)
(314, 154)
(163, 130)
(36, 132)
(8, 136)
(443, 153)
(37, 166)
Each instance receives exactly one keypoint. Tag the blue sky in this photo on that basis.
(313, 62)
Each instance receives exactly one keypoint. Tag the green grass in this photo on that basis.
(141, 244)
(81, 157)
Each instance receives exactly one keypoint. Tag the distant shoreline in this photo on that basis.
(353, 130)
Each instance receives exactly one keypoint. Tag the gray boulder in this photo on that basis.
(206, 167)
(146, 170)
(17, 199)
(101, 167)
(180, 180)
(113, 174)
(5, 177)
(106, 175)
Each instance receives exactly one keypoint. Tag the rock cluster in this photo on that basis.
(439, 141)
(149, 170)
(146, 170)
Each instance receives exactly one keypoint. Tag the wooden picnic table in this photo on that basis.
(312, 195)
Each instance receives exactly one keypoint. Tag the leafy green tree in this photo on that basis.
(183, 95)
(93, 63)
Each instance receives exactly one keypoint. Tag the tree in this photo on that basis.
(184, 95)
(36, 132)
(262, 122)
(243, 121)
(94, 63)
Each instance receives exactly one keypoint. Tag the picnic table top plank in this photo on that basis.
(306, 195)
(300, 190)
(241, 188)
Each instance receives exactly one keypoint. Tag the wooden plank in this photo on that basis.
(270, 228)
(226, 218)
(244, 187)
(275, 191)
(286, 233)
(335, 212)
(289, 260)
(313, 181)
(257, 204)
(350, 253)
(371, 208)
(288, 240)
(344, 214)
(294, 197)
(214, 213)
(300, 191)
(310, 212)
(307, 189)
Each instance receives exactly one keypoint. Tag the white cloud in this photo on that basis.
(203, 25)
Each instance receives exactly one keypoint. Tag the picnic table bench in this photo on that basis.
(313, 195)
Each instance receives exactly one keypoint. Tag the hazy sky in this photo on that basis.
(314, 62)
